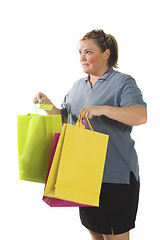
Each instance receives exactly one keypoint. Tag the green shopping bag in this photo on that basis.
(35, 137)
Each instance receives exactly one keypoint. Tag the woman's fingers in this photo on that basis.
(35, 100)
(38, 97)
(86, 114)
(41, 98)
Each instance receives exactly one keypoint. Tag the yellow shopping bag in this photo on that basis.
(77, 169)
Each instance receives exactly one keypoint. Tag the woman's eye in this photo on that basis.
(88, 52)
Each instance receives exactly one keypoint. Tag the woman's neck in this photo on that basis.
(94, 78)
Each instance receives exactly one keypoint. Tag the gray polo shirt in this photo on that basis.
(113, 89)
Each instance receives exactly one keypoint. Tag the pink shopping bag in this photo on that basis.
(55, 202)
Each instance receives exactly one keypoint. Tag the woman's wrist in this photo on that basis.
(104, 110)
(54, 111)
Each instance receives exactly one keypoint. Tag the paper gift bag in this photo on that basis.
(77, 169)
(54, 202)
(35, 138)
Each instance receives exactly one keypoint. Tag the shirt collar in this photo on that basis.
(105, 76)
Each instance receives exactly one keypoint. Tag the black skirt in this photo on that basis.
(117, 209)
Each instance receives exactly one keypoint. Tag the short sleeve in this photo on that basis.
(131, 94)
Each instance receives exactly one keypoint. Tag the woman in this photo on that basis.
(113, 103)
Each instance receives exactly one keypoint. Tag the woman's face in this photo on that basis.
(94, 62)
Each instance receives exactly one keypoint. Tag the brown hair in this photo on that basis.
(105, 41)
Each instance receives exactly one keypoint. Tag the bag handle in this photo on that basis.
(34, 106)
(85, 123)
(81, 121)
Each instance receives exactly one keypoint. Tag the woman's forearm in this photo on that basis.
(57, 111)
(133, 115)
(54, 111)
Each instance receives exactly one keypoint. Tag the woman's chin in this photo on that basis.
(86, 70)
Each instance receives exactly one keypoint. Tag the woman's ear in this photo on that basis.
(107, 53)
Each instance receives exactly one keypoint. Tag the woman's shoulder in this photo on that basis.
(123, 78)
(122, 75)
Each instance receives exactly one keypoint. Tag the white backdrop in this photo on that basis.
(38, 52)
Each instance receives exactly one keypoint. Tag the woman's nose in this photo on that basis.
(83, 57)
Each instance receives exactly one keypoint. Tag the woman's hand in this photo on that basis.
(46, 100)
(91, 111)
(43, 97)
